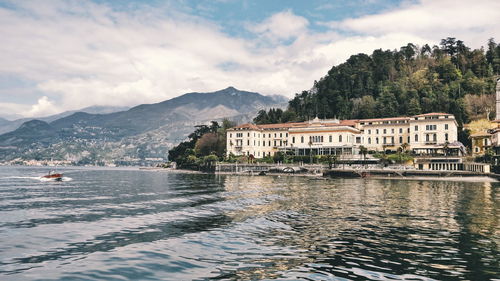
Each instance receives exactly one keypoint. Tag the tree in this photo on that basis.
(425, 51)
(261, 117)
(207, 144)
(414, 107)
(449, 45)
(364, 107)
(404, 146)
(479, 106)
(387, 104)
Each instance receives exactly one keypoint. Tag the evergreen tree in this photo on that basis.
(414, 107)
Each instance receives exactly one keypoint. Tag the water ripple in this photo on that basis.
(142, 225)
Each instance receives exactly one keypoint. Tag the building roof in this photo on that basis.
(278, 126)
(328, 122)
(481, 134)
(246, 126)
(432, 114)
(384, 119)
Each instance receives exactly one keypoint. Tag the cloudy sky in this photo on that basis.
(65, 55)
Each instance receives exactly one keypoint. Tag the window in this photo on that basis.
(384, 140)
(330, 139)
(408, 139)
(269, 143)
(369, 132)
(416, 127)
(434, 138)
(286, 135)
(302, 139)
(316, 138)
(430, 127)
(369, 140)
(376, 139)
(392, 130)
(248, 135)
(269, 135)
(230, 135)
(446, 138)
(408, 130)
(416, 137)
(446, 126)
(248, 142)
(293, 139)
(385, 131)
(426, 137)
(281, 135)
(340, 138)
(400, 130)
(400, 139)
(392, 140)
(377, 131)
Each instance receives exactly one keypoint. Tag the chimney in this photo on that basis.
(498, 100)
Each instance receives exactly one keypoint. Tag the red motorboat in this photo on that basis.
(54, 176)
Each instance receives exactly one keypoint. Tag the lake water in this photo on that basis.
(119, 224)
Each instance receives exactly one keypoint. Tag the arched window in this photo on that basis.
(446, 137)
(369, 140)
(416, 137)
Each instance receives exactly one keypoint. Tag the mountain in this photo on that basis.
(143, 131)
(8, 126)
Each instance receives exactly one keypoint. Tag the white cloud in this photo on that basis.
(283, 25)
(471, 21)
(81, 53)
(44, 107)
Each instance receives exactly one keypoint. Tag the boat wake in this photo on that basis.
(18, 177)
(53, 179)
(37, 178)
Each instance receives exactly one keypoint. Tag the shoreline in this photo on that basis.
(379, 174)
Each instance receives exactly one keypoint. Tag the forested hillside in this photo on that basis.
(449, 78)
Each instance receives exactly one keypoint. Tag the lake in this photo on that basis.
(130, 224)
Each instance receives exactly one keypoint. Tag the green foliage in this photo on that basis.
(274, 115)
(402, 82)
(266, 159)
(205, 143)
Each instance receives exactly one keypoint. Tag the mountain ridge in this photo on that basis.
(143, 131)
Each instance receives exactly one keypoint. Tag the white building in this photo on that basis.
(424, 134)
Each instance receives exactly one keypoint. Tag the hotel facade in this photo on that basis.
(425, 134)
